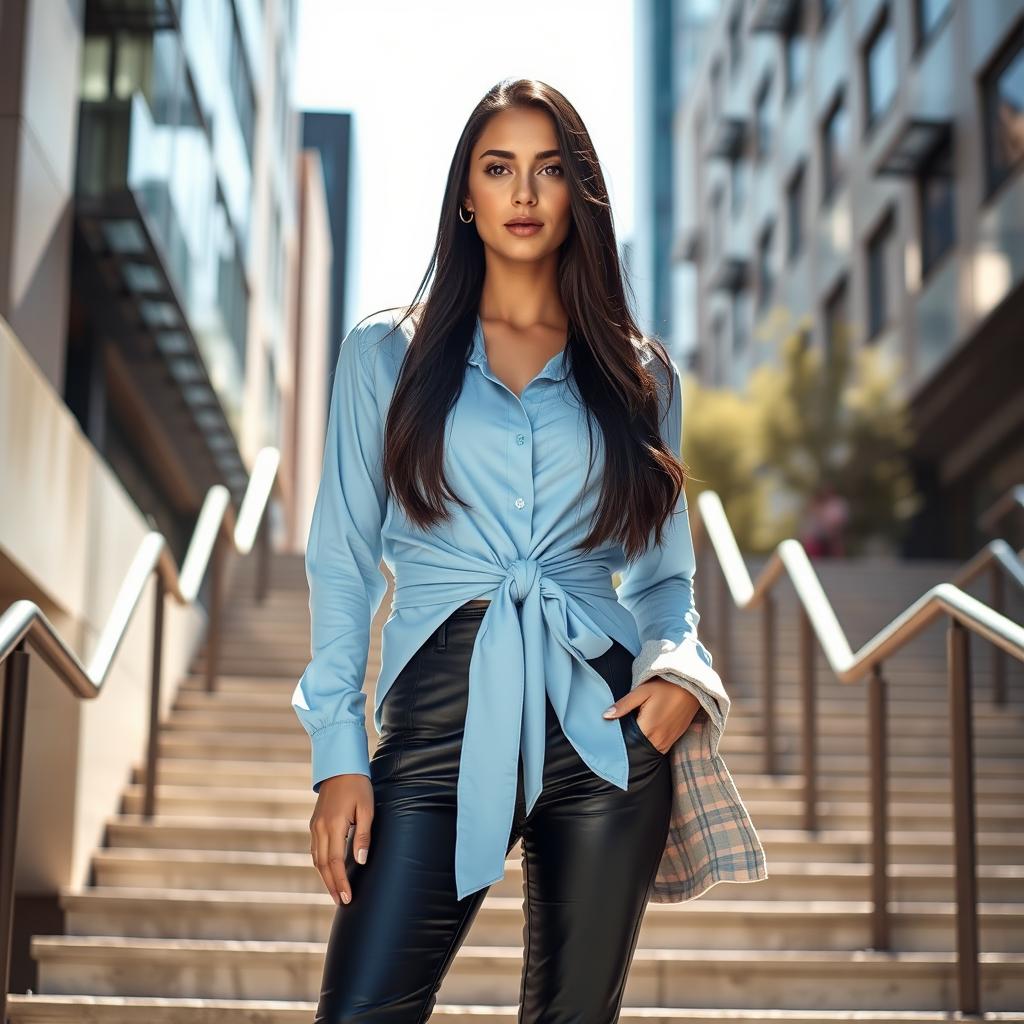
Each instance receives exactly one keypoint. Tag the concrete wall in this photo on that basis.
(66, 543)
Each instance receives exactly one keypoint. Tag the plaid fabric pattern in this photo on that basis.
(711, 837)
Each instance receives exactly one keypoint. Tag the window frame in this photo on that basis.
(830, 181)
(931, 259)
(1011, 50)
(883, 23)
(921, 37)
(796, 183)
(879, 244)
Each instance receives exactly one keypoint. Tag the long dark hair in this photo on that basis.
(642, 478)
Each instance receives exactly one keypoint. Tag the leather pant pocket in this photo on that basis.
(641, 736)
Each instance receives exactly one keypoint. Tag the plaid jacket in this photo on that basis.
(711, 838)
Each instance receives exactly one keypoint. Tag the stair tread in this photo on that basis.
(264, 1007)
(710, 906)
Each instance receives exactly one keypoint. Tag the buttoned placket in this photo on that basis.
(521, 481)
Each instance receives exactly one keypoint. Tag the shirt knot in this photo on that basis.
(524, 574)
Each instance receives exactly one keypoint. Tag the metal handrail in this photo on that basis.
(1001, 562)
(1012, 500)
(818, 619)
(25, 625)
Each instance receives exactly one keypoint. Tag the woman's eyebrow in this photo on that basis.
(507, 154)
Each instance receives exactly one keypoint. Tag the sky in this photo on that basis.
(411, 72)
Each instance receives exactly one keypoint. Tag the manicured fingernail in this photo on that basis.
(361, 856)
(345, 896)
(610, 712)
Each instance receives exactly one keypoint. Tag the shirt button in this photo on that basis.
(520, 439)
(520, 502)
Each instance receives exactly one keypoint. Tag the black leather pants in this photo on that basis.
(590, 854)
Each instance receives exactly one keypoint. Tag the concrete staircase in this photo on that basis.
(213, 911)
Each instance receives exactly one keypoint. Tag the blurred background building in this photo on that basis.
(669, 38)
(171, 289)
(154, 242)
(849, 166)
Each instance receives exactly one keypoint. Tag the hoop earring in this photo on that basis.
(472, 214)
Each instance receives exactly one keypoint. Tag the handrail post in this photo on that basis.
(807, 694)
(152, 760)
(12, 733)
(996, 600)
(722, 626)
(262, 561)
(216, 613)
(878, 756)
(961, 742)
(768, 683)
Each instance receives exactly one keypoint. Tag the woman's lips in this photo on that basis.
(524, 230)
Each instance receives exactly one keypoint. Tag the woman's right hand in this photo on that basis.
(343, 801)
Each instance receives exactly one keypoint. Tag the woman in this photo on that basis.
(506, 452)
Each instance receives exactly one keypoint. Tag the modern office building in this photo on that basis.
(856, 166)
(668, 44)
(330, 134)
(184, 213)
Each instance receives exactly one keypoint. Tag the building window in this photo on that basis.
(716, 87)
(717, 342)
(738, 316)
(930, 15)
(881, 71)
(736, 38)
(826, 8)
(763, 119)
(795, 214)
(765, 274)
(936, 205)
(1003, 91)
(794, 54)
(835, 142)
(717, 224)
(837, 320)
(242, 91)
(737, 185)
(880, 273)
(94, 77)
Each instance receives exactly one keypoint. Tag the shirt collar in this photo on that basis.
(553, 369)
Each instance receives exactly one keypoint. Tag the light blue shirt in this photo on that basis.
(521, 463)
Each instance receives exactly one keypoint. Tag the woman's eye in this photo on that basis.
(501, 167)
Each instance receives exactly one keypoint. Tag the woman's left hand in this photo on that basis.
(669, 710)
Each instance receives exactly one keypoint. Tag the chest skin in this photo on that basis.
(517, 358)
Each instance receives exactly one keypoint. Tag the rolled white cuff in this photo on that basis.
(688, 664)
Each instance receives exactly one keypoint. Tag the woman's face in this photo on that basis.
(516, 171)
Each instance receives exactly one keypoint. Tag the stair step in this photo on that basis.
(742, 765)
(280, 717)
(932, 766)
(54, 1009)
(853, 706)
(289, 741)
(255, 775)
(292, 871)
(228, 802)
(732, 924)
(787, 979)
(847, 845)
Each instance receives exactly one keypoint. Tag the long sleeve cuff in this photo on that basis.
(688, 664)
(339, 749)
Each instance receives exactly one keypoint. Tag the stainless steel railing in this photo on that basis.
(24, 627)
(966, 614)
